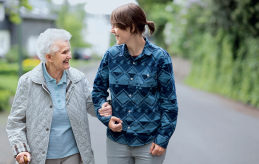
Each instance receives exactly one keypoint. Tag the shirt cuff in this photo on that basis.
(20, 147)
(161, 141)
(105, 120)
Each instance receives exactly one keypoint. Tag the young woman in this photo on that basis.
(140, 77)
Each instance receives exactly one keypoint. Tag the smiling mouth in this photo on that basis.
(66, 61)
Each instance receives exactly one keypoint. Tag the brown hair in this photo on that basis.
(131, 15)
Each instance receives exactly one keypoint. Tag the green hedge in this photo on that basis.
(12, 68)
(4, 99)
(8, 85)
(215, 70)
(220, 37)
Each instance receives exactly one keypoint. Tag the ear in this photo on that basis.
(49, 57)
(133, 28)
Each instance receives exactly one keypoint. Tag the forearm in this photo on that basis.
(168, 122)
(101, 85)
(16, 123)
(97, 106)
(16, 127)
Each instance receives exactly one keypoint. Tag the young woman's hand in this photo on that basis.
(115, 127)
(106, 110)
(20, 157)
(156, 149)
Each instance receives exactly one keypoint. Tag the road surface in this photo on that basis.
(210, 130)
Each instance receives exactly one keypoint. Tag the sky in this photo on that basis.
(98, 6)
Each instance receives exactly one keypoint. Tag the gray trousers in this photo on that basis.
(73, 159)
(123, 154)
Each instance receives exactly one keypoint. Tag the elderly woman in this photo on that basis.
(48, 122)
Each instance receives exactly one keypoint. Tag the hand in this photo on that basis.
(20, 157)
(115, 127)
(156, 150)
(106, 110)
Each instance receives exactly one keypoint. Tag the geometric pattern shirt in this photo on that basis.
(62, 142)
(143, 94)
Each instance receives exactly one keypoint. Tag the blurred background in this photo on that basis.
(214, 48)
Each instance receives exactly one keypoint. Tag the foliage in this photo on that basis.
(8, 86)
(13, 54)
(12, 68)
(221, 38)
(72, 20)
(4, 99)
(13, 9)
(155, 11)
(237, 16)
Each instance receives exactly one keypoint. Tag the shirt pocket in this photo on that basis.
(149, 79)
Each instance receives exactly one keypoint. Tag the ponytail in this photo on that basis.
(151, 27)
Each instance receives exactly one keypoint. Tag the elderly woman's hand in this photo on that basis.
(20, 157)
(106, 110)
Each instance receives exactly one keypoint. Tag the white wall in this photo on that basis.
(5, 42)
(98, 33)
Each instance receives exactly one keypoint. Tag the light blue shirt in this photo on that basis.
(61, 140)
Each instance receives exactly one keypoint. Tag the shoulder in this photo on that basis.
(25, 78)
(114, 50)
(158, 52)
(74, 74)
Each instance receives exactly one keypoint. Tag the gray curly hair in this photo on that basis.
(45, 42)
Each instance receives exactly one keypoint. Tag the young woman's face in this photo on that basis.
(122, 36)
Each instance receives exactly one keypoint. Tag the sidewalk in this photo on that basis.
(6, 155)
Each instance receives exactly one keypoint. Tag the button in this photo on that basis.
(47, 129)
(147, 75)
(129, 111)
(131, 78)
(43, 152)
(129, 95)
(50, 106)
(128, 127)
(133, 62)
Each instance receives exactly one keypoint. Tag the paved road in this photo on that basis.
(210, 130)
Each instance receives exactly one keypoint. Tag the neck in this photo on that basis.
(53, 72)
(136, 45)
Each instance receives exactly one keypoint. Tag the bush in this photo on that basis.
(4, 99)
(13, 68)
(13, 55)
(221, 38)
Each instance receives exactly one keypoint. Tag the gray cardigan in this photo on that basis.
(29, 122)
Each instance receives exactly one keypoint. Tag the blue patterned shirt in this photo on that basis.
(142, 92)
(62, 142)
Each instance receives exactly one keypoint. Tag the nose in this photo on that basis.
(112, 30)
(69, 55)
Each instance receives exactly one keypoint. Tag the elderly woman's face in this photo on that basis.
(61, 57)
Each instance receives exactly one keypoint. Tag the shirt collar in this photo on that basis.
(146, 50)
(48, 78)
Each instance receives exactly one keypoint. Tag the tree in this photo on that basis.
(13, 7)
(72, 20)
(155, 11)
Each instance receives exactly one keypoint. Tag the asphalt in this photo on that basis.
(210, 130)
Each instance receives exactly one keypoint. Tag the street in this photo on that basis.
(210, 130)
